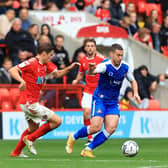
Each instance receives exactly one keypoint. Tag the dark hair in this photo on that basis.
(47, 47)
(59, 36)
(115, 47)
(43, 25)
(143, 67)
(128, 89)
(32, 25)
(89, 40)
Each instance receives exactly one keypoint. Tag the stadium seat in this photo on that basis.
(4, 94)
(141, 7)
(165, 51)
(154, 105)
(6, 106)
(14, 95)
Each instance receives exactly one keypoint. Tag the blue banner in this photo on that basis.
(72, 121)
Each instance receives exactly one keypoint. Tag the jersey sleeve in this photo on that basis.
(101, 68)
(81, 69)
(25, 66)
(51, 67)
(130, 75)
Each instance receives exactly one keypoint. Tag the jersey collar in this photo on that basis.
(39, 61)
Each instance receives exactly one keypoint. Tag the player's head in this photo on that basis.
(45, 52)
(116, 54)
(90, 47)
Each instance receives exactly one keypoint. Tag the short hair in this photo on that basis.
(44, 47)
(115, 47)
(89, 40)
(59, 36)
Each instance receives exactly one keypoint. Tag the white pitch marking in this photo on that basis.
(154, 166)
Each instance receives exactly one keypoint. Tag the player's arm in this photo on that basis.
(61, 73)
(79, 77)
(93, 69)
(15, 73)
(134, 85)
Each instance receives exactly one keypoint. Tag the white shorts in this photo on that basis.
(36, 112)
(86, 100)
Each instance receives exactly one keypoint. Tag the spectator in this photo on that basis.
(164, 4)
(80, 5)
(6, 23)
(23, 4)
(133, 23)
(38, 5)
(156, 36)
(67, 6)
(77, 51)
(61, 58)
(146, 82)
(4, 5)
(23, 14)
(72, 75)
(5, 77)
(116, 12)
(51, 6)
(103, 13)
(164, 32)
(152, 18)
(125, 24)
(45, 30)
(20, 44)
(143, 35)
(34, 31)
(44, 39)
(128, 101)
(130, 8)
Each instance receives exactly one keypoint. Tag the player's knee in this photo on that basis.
(111, 130)
(59, 121)
(97, 127)
(55, 121)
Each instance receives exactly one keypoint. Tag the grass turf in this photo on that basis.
(51, 154)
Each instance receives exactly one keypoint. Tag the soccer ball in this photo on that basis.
(130, 148)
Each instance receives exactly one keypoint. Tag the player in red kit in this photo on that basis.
(31, 81)
(91, 80)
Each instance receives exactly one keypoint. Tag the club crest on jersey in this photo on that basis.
(99, 111)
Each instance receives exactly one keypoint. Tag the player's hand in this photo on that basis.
(74, 82)
(22, 85)
(137, 98)
(73, 65)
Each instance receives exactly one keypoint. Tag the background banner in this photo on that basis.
(132, 124)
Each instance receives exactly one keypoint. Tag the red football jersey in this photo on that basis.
(91, 80)
(103, 14)
(33, 73)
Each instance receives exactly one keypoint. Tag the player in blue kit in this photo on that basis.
(105, 107)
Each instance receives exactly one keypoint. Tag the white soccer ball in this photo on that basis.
(130, 148)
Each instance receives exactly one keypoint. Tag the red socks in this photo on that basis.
(20, 145)
(87, 123)
(39, 132)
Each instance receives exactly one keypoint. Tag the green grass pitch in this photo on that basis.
(51, 154)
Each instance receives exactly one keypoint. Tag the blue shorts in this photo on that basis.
(101, 108)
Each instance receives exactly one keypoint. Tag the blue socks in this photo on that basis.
(99, 139)
(83, 132)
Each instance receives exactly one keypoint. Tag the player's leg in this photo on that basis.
(86, 105)
(41, 112)
(111, 122)
(96, 125)
(20, 145)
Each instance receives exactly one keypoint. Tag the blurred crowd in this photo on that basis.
(21, 37)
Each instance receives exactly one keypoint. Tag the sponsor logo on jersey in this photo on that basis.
(40, 80)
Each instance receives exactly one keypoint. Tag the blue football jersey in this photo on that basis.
(111, 79)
